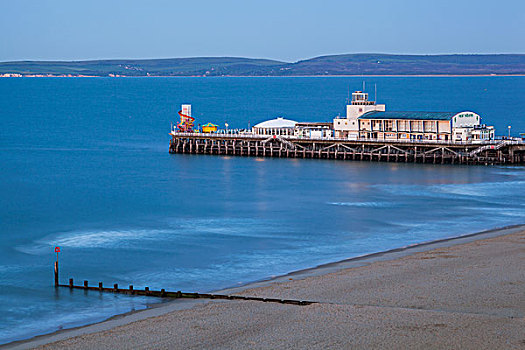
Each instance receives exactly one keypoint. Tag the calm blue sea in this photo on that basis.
(85, 165)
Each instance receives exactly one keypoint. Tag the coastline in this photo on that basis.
(160, 309)
(278, 76)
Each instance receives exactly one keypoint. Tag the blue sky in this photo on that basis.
(283, 30)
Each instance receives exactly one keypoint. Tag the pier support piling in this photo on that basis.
(425, 151)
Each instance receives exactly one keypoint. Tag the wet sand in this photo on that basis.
(448, 294)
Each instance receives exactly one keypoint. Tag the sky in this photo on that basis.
(287, 30)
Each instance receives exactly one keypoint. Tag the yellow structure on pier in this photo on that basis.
(207, 128)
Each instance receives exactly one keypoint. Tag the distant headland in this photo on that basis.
(334, 65)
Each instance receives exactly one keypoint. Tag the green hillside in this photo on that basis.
(351, 64)
(156, 67)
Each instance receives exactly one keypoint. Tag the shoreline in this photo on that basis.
(279, 76)
(162, 308)
(367, 259)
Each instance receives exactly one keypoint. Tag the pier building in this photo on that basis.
(348, 128)
(366, 120)
(285, 127)
(278, 126)
(314, 130)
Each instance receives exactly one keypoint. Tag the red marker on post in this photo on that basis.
(57, 250)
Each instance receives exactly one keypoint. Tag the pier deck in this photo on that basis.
(425, 151)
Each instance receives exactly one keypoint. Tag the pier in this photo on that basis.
(493, 152)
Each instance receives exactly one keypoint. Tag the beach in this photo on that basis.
(461, 293)
(203, 223)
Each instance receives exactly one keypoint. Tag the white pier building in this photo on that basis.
(366, 120)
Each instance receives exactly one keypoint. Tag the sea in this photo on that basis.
(85, 166)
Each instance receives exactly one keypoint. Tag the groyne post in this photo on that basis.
(56, 273)
(57, 250)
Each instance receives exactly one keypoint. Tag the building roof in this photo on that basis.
(409, 115)
(277, 123)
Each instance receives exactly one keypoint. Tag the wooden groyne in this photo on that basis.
(162, 293)
(433, 152)
(178, 294)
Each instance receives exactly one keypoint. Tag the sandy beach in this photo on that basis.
(465, 293)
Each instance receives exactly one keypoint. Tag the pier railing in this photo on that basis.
(339, 139)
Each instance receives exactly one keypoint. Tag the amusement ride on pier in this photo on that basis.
(186, 120)
(186, 123)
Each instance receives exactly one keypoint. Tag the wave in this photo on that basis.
(366, 204)
(511, 171)
(238, 227)
(90, 239)
(514, 212)
(192, 231)
(456, 191)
